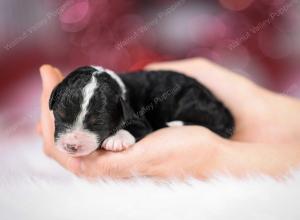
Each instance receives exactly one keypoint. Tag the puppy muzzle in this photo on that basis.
(77, 142)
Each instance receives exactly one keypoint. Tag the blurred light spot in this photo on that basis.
(291, 85)
(275, 44)
(130, 29)
(91, 35)
(75, 13)
(236, 5)
(179, 30)
(273, 2)
(75, 17)
(129, 23)
(109, 57)
(238, 58)
(200, 31)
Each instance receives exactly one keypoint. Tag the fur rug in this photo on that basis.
(35, 187)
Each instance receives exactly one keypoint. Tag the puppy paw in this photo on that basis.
(119, 141)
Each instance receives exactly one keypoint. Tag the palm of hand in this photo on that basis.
(256, 112)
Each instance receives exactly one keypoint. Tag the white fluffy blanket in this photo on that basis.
(34, 187)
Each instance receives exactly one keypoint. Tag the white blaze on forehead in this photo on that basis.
(87, 93)
(114, 76)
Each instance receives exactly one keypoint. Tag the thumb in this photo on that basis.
(50, 77)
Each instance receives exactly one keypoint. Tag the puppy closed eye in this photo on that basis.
(61, 114)
(65, 117)
(94, 119)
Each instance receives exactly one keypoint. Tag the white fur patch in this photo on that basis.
(119, 141)
(175, 123)
(114, 76)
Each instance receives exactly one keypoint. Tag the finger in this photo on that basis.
(50, 78)
(59, 73)
(70, 163)
(134, 161)
(98, 164)
(104, 163)
(38, 129)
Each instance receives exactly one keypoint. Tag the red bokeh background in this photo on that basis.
(259, 39)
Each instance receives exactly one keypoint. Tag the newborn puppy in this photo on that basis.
(94, 107)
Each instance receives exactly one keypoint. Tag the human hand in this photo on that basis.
(260, 115)
(142, 159)
(194, 150)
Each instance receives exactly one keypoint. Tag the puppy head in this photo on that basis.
(87, 107)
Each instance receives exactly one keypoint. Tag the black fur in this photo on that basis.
(152, 99)
(175, 96)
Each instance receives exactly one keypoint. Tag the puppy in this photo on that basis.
(94, 107)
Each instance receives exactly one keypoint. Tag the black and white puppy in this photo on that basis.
(94, 107)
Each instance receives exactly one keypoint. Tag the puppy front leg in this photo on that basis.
(121, 140)
(124, 138)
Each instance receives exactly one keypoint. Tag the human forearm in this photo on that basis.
(242, 159)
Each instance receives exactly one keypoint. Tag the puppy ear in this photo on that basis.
(56, 93)
(126, 109)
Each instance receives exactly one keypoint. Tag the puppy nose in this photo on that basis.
(71, 148)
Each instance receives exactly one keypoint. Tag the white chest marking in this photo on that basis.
(174, 123)
(114, 76)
